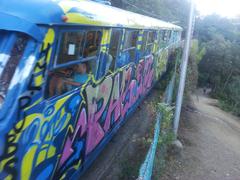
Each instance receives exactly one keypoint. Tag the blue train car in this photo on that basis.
(71, 72)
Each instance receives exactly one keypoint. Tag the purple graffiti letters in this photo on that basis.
(96, 105)
(105, 104)
(114, 105)
(81, 128)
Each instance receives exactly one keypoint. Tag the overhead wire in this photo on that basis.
(140, 9)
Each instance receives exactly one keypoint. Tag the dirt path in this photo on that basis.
(211, 139)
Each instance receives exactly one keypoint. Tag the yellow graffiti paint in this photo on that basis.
(34, 104)
(9, 177)
(106, 36)
(67, 121)
(28, 120)
(41, 63)
(77, 18)
(51, 152)
(38, 80)
(63, 177)
(11, 149)
(67, 6)
(76, 167)
(105, 40)
(41, 157)
(49, 39)
(27, 163)
(3, 162)
(140, 39)
(44, 154)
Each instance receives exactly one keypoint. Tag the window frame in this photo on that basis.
(151, 43)
(132, 47)
(144, 41)
(165, 38)
(123, 50)
(118, 48)
(56, 49)
(82, 59)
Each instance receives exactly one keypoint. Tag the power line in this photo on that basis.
(140, 9)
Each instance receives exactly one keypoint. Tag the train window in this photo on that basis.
(169, 34)
(130, 39)
(129, 48)
(144, 41)
(66, 79)
(162, 43)
(71, 47)
(150, 37)
(92, 43)
(159, 40)
(75, 46)
(165, 37)
(177, 36)
(156, 41)
(150, 42)
(171, 37)
(113, 49)
(16, 44)
(77, 57)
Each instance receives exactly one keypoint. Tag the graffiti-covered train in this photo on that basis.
(71, 73)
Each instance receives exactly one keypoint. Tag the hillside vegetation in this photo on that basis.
(220, 66)
(215, 50)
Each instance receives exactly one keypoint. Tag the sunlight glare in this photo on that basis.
(226, 8)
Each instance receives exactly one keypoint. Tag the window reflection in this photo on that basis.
(9, 63)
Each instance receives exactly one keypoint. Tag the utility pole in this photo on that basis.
(184, 69)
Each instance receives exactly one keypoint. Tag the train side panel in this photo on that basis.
(58, 137)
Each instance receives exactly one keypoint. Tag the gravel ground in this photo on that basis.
(211, 139)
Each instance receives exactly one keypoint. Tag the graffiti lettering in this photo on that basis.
(77, 123)
(9, 159)
(106, 103)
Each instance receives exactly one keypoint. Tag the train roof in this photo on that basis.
(82, 12)
(25, 15)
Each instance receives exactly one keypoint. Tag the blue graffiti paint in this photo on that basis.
(45, 174)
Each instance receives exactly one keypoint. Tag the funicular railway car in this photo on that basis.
(71, 72)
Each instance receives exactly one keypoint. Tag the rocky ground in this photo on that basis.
(211, 139)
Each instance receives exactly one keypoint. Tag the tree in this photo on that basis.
(220, 66)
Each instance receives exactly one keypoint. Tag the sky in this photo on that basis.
(225, 8)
